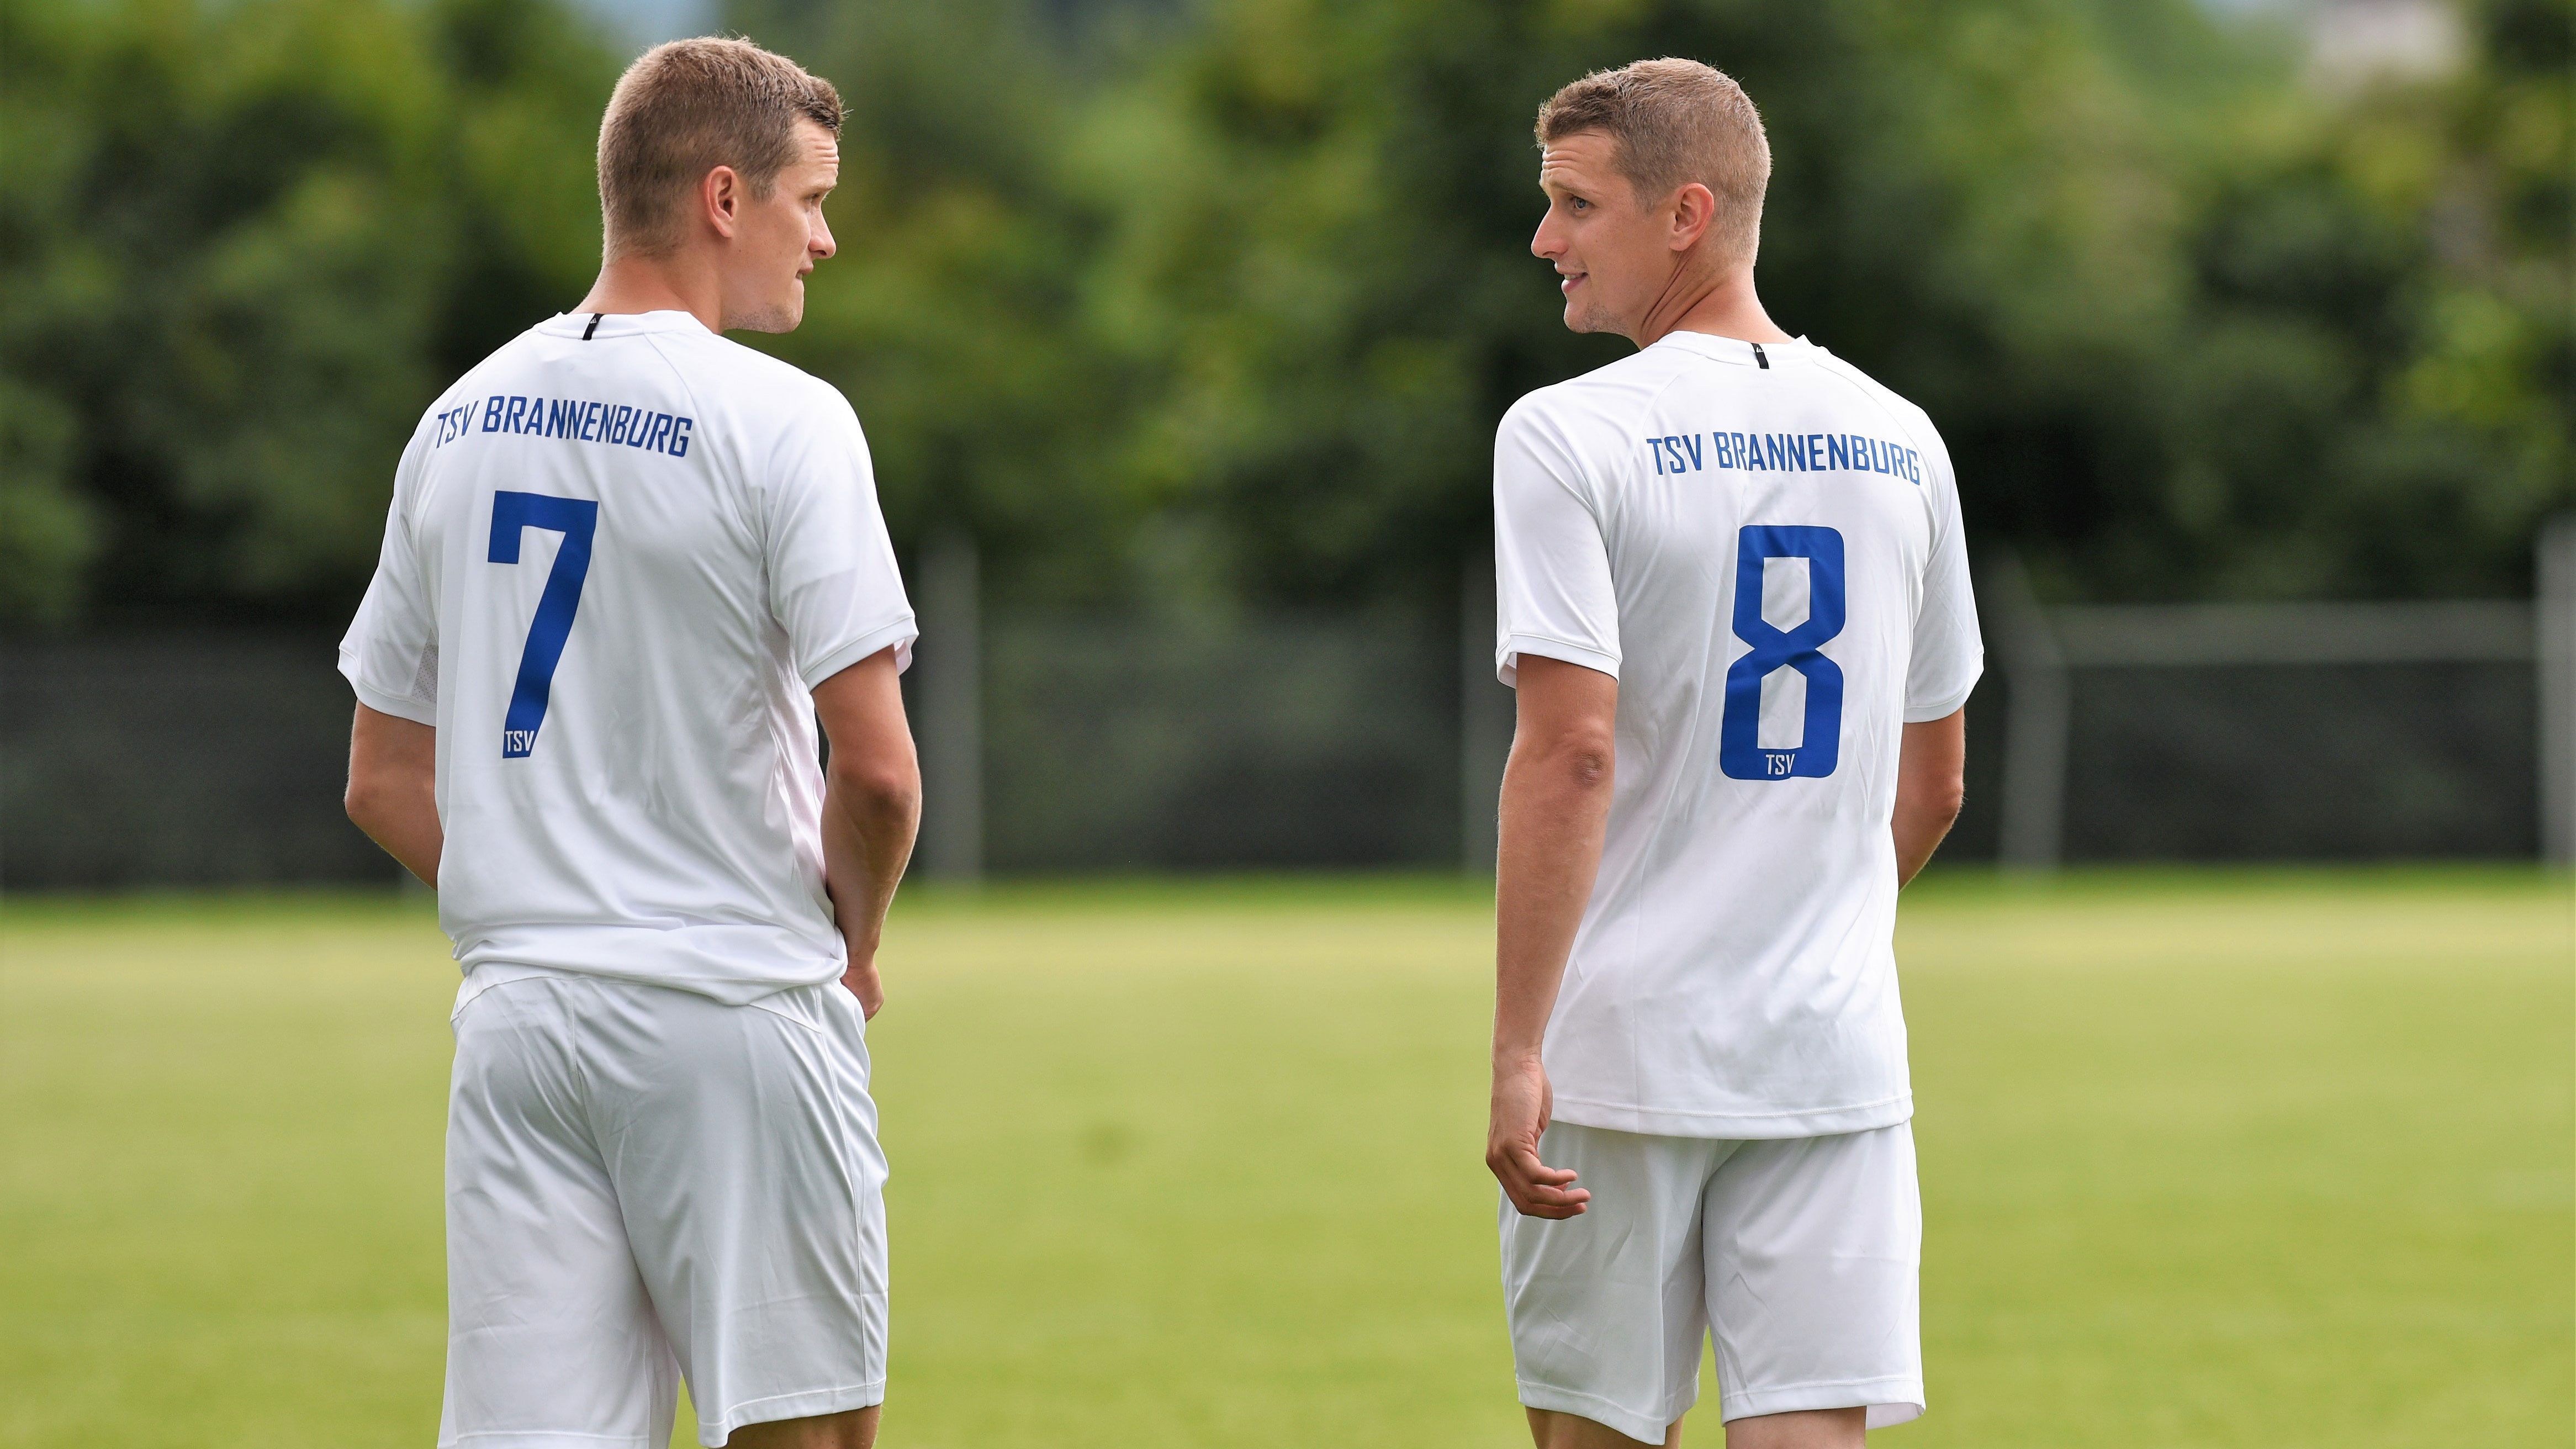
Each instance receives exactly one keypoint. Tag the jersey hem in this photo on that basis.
(1506, 670)
(1947, 706)
(399, 706)
(1735, 1126)
(899, 633)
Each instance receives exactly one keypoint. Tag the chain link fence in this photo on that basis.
(1056, 744)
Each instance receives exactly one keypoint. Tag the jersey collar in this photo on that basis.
(1738, 352)
(618, 324)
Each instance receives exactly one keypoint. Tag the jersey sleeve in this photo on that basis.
(1552, 593)
(1949, 653)
(833, 584)
(390, 654)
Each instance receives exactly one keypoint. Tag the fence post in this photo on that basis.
(2554, 642)
(952, 711)
(1484, 718)
(2035, 723)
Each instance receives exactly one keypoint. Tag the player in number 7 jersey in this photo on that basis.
(1733, 598)
(628, 563)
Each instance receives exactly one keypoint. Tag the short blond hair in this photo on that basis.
(1673, 122)
(683, 109)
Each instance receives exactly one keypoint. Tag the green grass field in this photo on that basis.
(2271, 1159)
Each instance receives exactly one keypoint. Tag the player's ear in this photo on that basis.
(1693, 207)
(720, 198)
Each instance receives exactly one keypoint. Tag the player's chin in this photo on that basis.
(783, 315)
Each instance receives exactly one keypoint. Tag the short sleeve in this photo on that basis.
(390, 654)
(833, 584)
(1552, 594)
(1949, 653)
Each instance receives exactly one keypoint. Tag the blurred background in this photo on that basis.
(2244, 1018)
(1180, 330)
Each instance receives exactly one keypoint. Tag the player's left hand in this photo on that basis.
(1523, 1102)
(862, 980)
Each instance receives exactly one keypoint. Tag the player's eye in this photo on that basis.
(1578, 203)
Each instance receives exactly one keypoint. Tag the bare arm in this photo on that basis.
(871, 809)
(1556, 803)
(1931, 770)
(393, 789)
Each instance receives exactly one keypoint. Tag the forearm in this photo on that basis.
(1555, 805)
(393, 790)
(868, 832)
(409, 832)
(1919, 832)
(1931, 772)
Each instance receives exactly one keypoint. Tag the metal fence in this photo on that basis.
(1070, 744)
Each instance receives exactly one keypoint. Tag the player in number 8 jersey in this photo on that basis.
(1733, 598)
(627, 565)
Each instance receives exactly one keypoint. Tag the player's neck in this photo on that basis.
(629, 285)
(1725, 306)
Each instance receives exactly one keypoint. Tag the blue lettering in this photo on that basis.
(510, 419)
(589, 430)
(1753, 450)
(492, 414)
(1816, 451)
(1837, 450)
(559, 416)
(1698, 464)
(680, 438)
(1775, 448)
(661, 432)
(1657, 444)
(1914, 467)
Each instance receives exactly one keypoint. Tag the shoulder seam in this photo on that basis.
(1838, 375)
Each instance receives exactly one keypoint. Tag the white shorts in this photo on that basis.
(644, 1185)
(1802, 1254)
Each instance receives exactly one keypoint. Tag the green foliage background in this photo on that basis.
(1213, 305)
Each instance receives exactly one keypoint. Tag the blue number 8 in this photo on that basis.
(576, 519)
(1739, 749)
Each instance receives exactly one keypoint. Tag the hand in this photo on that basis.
(1522, 1104)
(862, 980)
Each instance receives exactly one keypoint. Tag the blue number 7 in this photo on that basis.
(576, 519)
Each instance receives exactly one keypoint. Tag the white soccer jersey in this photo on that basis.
(621, 552)
(1763, 546)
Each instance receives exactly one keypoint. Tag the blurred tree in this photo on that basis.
(954, 318)
(1325, 207)
(1262, 293)
(243, 246)
(2187, 327)
(1217, 303)
(2373, 394)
